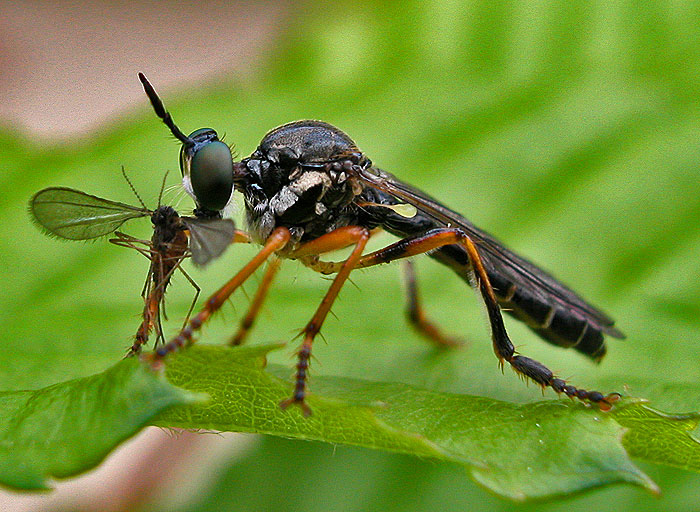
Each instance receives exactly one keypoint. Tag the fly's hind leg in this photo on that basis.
(502, 346)
(416, 315)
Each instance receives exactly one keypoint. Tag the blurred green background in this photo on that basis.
(568, 130)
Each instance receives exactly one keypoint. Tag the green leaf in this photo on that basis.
(663, 438)
(518, 451)
(68, 428)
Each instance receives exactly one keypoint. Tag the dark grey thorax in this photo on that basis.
(294, 179)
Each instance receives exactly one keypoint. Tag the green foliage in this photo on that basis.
(519, 451)
(568, 131)
(67, 428)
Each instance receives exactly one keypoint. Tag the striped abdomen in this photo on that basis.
(552, 317)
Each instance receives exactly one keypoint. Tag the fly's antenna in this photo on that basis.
(162, 113)
(133, 189)
(162, 188)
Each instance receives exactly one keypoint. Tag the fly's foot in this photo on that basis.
(134, 350)
(544, 377)
(304, 355)
(604, 402)
(298, 400)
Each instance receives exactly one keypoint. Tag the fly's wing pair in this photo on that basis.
(74, 215)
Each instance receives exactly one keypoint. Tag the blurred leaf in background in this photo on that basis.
(568, 130)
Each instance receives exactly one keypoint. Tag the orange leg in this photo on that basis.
(275, 242)
(503, 347)
(416, 314)
(247, 322)
(241, 237)
(338, 239)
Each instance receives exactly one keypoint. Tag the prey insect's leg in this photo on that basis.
(504, 349)
(247, 323)
(150, 314)
(154, 299)
(416, 315)
(124, 240)
(340, 238)
(197, 289)
(276, 241)
(150, 309)
(241, 237)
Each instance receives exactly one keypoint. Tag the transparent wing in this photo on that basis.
(75, 215)
(209, 238)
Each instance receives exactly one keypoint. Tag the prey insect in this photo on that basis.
(74, 215)
(308, 190)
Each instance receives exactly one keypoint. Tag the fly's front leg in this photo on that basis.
(275, 242)
(249, 319)
(338, 239)
(503, 347)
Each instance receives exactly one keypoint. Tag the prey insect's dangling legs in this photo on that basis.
(504, 349)
(338, 239)
(160, 271)
(416, 315)
(247, 323)
(276, 241)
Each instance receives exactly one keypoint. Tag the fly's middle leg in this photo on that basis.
(338, 239)
(249, 319)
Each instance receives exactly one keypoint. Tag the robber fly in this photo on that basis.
(308, 190)
(74, 215)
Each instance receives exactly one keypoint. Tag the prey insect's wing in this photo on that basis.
(496, 258)
(209, 238)
(75, 215)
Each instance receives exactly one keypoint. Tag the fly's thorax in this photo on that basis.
(307, 141)
(300, 177)
(310, 202)
(167, 228)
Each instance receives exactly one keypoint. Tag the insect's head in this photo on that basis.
(205, 161)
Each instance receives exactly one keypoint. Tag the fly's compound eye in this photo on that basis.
(211, 174)
(209, 165)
